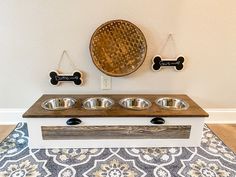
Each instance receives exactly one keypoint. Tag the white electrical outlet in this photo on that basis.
(105, 82)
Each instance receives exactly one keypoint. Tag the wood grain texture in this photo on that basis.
(226, 132)
(115, 132)
(36, 111)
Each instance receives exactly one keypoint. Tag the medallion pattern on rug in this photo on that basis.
(212, 159)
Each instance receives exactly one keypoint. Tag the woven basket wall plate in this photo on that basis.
(118, 48)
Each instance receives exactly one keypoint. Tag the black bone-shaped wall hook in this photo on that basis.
(158, 63)
(56, 78)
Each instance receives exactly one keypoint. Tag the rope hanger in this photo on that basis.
(65, 53)
(170, 38)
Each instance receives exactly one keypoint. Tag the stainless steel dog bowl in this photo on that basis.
(172, 103)
(135, 103)
(98, 103)
(58, 103)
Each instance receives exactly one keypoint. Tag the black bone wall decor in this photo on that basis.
(56, 78)
(157, 63)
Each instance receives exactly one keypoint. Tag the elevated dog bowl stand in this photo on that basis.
(115, 127)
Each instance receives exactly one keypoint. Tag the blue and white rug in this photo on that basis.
(212, 159)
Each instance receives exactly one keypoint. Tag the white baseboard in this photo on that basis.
(11, 116)
(221, 116)
(216, 116)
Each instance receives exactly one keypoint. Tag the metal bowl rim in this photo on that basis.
(169, 107)
(98, 97)
(59, 108)
(137, 108)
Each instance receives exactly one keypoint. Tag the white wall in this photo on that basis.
(33, 34)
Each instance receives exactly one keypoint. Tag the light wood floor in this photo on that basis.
(5, 130)
(226, 132)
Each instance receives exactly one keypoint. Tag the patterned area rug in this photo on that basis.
(211, 159)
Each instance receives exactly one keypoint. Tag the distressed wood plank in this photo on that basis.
(115, 132)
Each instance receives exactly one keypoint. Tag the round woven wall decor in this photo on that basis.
(118, 48)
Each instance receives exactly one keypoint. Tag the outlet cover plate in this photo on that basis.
(105, 82)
